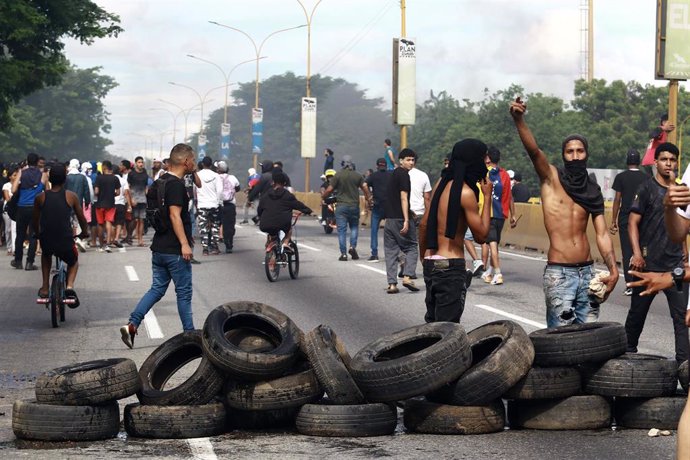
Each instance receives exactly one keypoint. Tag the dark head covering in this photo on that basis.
(266, 166)
(577, 183)
(633, 157)
(466, 167)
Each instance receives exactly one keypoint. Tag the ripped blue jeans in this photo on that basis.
(566, 290)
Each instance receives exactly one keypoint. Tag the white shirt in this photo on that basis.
(120, 199)
(7, 186)
(230, 182)
(419, 184)
(210, 194)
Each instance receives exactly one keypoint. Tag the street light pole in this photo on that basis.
(201, 103)
(184, 112)
(403, 33)
(174, 117)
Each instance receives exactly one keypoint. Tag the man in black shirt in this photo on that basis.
(378, 183)
(521, 193)
(400, 231)
(626, 184)
(106, 188)
(171, 248)
(654, 251)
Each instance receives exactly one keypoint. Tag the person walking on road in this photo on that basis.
(137, 179)
(453, 209)
(29, 182)
(229, 212)
(389, 155)
(209, 197)
(347, 184)
(568, 198)
(378, 184)
(626, 184)
(106, 188)
(171, 249)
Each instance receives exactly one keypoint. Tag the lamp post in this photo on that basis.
(257, 51)
(184, 112)
(201, 103)
(174, 117)
(160, 134)
(308, 17)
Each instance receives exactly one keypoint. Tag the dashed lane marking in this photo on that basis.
(511, 316)
(153, 329)
(131, 273)
(302, 245)
(369, 267)
(202, 449)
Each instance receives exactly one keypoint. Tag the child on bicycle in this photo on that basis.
(275, 209)
(52, 222)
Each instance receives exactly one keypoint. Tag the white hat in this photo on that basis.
(86, 165)
(251, 171)
(73, 164)
(511, 173)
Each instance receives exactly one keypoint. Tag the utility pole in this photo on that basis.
(403, 33)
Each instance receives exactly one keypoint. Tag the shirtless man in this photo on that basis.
(441, 232)
(568, 198)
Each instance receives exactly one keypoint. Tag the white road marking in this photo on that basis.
(153, 329)
(512, 316)
(201, 448)
(369, 267)
(131, 273)
(302, 245)
(121, 250)
(540, 259)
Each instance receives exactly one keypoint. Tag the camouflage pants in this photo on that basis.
(208, 220)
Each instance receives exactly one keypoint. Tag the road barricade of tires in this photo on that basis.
(256, 370)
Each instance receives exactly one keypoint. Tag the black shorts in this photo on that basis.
(120, 214)
(275, 231)
(495, 229)
(66, 252)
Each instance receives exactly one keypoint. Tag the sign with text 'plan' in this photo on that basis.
(308, 127)
(404, 80)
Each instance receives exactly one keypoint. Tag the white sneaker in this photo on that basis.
(497, 279)
(487, 277)
(80, 245)
(107, 249)
(477, 265)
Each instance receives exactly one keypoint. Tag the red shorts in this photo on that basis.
(105, 214)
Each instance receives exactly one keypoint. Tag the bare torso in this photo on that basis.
(448, 248)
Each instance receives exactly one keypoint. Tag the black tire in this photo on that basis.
(684, 375)
(262, 420)
(293, 261)
(282, 393)
(411, 362)
(632, 375)
(330, 359)
(578, 343)
(201, 387)
(431, 418)
(347, 421)
(271, 266)
(47, 422)
(175, 422)
(243, 365)
(502, 354)
(88, 383)
(547, 383)
(573, 413)
(661, 413)
(252, 340)
(55, 301)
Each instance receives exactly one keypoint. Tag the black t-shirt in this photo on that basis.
(378, 182)
(521, 193)
(660, 253)
(627, 184)
(107, 184)
(175, 195)
(399, 182)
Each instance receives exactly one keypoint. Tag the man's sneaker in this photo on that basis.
(392, 289)
(244, 221)
(117, 244)
(80, 245)
(15, 264)
(343, 258)
(215, 252)
(628, 292)
(409, 284)
(477, 267)
(373, 259)
(107, 249)
(100, 249)
(30, 267)
(353, 254)
(194, 261)
(468, 279)
(128, 331)
(497, 279)
(487, 276)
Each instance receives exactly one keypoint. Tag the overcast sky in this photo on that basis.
(463, 46)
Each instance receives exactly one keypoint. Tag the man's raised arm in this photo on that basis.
(539, 160)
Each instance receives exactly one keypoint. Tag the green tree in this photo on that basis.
(31, 50)
(61, 121)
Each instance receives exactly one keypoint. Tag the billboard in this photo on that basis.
(201, 143)
(308, 127)
(257, 130)
(225, 141)
(673, 40)
(404, 80)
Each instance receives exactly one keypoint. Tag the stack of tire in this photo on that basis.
(77, 403)
(583, 379)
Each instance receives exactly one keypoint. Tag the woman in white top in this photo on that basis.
(10, 225)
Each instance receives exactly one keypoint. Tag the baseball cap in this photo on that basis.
(511, 173)
(86, 166)
(157, 160)
(633, 157)
(73, 163)
(381, 162)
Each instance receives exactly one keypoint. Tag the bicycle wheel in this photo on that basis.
(271, 265)
(293, 261)
(55, 300)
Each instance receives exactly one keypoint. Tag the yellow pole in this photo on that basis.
(672, 108)
(403, 33)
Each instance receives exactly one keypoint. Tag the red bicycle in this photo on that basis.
(276, 257)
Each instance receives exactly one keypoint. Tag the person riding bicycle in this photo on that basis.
(52, 216)
(275, 209)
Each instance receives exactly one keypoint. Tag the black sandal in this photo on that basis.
(71, 299)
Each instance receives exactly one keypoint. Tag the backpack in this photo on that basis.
(157, 215)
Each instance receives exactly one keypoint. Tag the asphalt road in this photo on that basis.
(348, 296)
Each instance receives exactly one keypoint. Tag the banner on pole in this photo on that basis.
(673, 40)
(404, 80)
(201, 146)
(308, 127)
(225, 141)
(257, 130)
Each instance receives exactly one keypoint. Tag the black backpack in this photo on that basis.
(156, 210)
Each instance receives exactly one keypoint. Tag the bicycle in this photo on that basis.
(56, 300)
(275, 257)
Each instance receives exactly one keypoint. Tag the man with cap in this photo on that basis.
(378, 184)
(521, 193)
(568, 198)
(77, 184)
(453, 209)
(137, 180)
(347, 183)
(626, 184)
(156, 168)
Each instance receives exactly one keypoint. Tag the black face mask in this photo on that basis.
(576, 170)
(576, 183)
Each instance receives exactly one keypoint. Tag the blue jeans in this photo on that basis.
(347, 216)
(168, 267)
(376, 218)
(566, 290)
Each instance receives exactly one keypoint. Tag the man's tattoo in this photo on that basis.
(610, 260)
